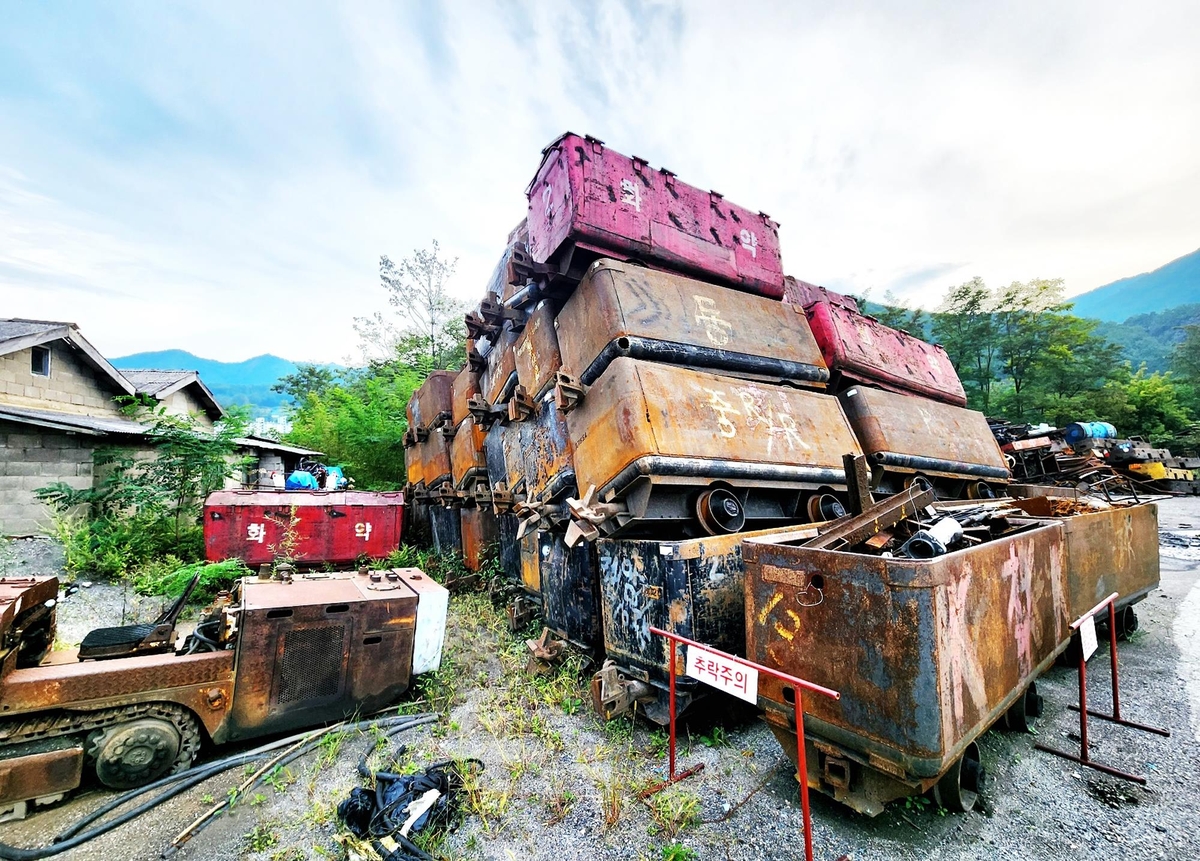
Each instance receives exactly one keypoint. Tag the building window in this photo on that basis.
(40, 361)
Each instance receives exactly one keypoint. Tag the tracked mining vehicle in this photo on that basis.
(136, 702)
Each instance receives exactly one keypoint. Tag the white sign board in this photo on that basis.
(723, 674)
(1087, 636)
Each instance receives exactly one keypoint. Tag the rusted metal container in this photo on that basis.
(331, 526)
(531, 563)
(480, 532)
(445, 527)
(668, 446)
(548, 456)
(504, 278)
(621, 309)
(694, 588)
(433, 402)
(508, 547)
(801, 294)
(468, 464)
(1111, 550)
(926, 654)
(435, 458)
(466, 386)
(503, 454)
(499, 376)
(586, 197)
(860, 349)
(908, 438)
(570, 589)
(536, 353)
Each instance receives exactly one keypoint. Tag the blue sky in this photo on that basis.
(223, 177)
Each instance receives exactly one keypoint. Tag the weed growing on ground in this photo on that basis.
(261, 837)
(612, 798)
(672, 810)
(559, 804)
(678, 852)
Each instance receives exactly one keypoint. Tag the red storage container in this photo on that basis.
(336, 527)
(594, 198)
(860, 349)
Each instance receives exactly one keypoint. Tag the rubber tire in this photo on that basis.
(136, 753)
(958, 789)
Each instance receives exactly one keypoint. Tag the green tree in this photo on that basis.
(360, 423)
(1147, 405)
(964, 326)
(1024, 329)
(1067, 381)
(308, 379)
(428, 331)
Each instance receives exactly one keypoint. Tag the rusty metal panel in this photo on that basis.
(445, 527)
(502, 448)
(860, 349)
(548, 456)
(694, 588)
(319, 649)
(466, 386)
(28, 622)
(926, 654)
(480, 532)
(531, 564)
(650, 437)
(801, 294)
(41, 773)
(907, 434)
(536, 352)
(468, 464)
(508, 547)
(435, 457)
(570, 589)
(587, 195)
(1107, 551)
(503, 280)
(621, 309)
(499, 376)
(433, 401)
(332, 526)
(185, 679)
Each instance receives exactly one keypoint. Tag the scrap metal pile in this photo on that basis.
(647, 398)
(1089, 455)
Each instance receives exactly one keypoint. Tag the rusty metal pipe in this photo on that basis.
(912, 461)
(696, 356)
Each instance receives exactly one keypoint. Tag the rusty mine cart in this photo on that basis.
(137, 702)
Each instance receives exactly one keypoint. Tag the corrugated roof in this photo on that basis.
(93, 425)
(275, 445)
(151, 381)
(15, 327)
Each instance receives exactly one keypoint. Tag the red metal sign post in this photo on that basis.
(798, 684)
(1084, 757)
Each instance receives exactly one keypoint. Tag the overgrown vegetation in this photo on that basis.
(1022, 355)
(142, 509)
(358, 417)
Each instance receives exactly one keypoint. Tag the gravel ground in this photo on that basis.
(549, 771)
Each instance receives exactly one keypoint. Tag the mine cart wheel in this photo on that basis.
(980, 490)
(958, 789)
(1127, 622)
(720, 512)
(823, 507)
(136, 752)
(1028, 705)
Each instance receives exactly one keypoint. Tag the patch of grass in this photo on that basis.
(279, 778)
(559, 805)
(678, 852)
(261, 837)
(612, 799)
(715, 737)
(488, 801)
(672, 810)
(328, 748)
(660, 744)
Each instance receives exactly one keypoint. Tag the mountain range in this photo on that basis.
(1176, 283)
(247, 382)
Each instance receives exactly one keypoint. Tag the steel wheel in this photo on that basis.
(1127, 622)
(1028, 705)
(958, 789)
(135, 753)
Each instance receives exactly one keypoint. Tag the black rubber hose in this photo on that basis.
(184, 781)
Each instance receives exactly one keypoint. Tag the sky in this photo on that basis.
(223, 177)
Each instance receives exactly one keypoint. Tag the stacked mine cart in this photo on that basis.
(656, 428)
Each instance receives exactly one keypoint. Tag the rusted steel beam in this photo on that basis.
(858, 482)
(850, 531)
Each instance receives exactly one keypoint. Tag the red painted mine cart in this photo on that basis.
(331, 526)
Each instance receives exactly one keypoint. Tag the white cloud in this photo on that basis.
(224, 179)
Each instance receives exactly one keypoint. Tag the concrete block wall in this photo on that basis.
(72, 387)
(33, 457)
(183, 403)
